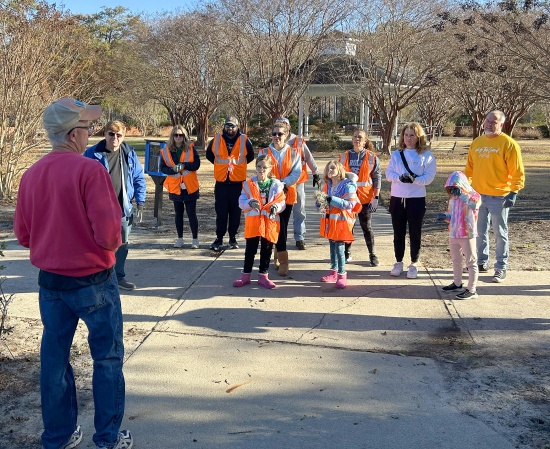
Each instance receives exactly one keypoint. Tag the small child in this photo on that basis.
(341, 205)
(262, 199)
(461, 215)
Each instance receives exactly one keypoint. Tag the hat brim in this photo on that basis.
(91, 112)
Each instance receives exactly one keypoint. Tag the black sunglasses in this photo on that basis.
(278, 134)
(113, 134)
(179, 135)
(230, 126)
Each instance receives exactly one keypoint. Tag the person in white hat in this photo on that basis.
(68, 215)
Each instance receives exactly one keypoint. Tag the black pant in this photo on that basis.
(365, 220)
(407, 211)
(250, 253)
(191, 207)
(226, 204)
(284, 218)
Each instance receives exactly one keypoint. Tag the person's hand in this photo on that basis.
(254, 204)
(441, 217)
(373, 205)
(272, 211)
(329, 198)
(139, 213)
(406, 178)
(285, 189)
(509, 200)
(316, 180)
(455, 191)
(178, 167)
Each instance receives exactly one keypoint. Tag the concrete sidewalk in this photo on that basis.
(304, 365)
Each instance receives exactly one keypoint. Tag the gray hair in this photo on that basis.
(57, 139)
(499, 114)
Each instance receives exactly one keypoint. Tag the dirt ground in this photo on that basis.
(510, 391)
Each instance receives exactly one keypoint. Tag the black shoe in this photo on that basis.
(483, 268)
(216, 245)
(451, 287)
(233, 244)
(126, 285)
(374, 261)
(300, 244)
(499, 275)
(467, 294)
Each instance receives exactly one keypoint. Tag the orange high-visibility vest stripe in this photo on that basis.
(283, 172)
(189, 178)
(365, 192)
(234, 163)
(337, 224)
(257, 223)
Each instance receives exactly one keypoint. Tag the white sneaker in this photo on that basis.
(413, 272)
(397, 269)
(195, 244)
(178, 243)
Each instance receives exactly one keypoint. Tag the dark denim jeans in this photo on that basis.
(99, 307)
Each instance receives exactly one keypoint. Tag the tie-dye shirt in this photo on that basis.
(462, 210)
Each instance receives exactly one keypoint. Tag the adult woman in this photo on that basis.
(180, 162)
(410, 170)
(287, 169)
(363, 161)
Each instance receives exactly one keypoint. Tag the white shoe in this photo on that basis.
(397, 269)
(413, 272)
(195, 244)
(178, 243)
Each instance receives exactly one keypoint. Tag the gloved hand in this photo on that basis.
(285, 189)
(272, 212)
(178, 167)
(406, 178)
(441, 217)
(139, 213)
(373, 205)
(329, 198)
(254, 204)
(316, 180)
(509, 200)
(455, 191)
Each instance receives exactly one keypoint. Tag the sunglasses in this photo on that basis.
(113, 134)
(278, 134)
(230, 126)
(179, 135)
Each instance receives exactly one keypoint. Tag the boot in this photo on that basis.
(330, 277)
(243, 280)
(275, 260)
(283, 262)
(342, 280)
(264, 281)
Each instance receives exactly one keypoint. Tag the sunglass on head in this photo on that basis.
(278, 134)
(113, 134)
(228, 125)
(179, 135)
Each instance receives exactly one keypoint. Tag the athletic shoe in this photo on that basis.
(347, 255)
(451, 287)
(499, 275)
(233, 244)
(467, 294)
(195, 244)
(300, 244)
(178, 243)
(74, 440)
(126, 285)
(483, 268)
(124, 441)
(216, 245)
(374, 260)
(412, 273)
(397, 269)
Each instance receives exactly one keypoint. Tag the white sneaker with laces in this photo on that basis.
(178, 243)
(195, 244)
(124, 441)
(413, 272)
(397, 269)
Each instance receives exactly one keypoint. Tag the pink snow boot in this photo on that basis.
(264, 281)
(243, 280)
(342, 280)
(330, 277)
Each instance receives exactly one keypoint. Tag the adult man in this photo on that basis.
(68, 215)
(299, 209)
(495, 169)
(230, 152)
(126, 173)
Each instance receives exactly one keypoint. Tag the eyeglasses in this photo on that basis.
(259, 168)
(229, 126)
(113, 134)
(278, 134)
(90, 129)
(179, 135)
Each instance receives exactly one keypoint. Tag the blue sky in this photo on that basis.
(135, 6)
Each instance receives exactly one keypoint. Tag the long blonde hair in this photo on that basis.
(421, 143)
(181, 130)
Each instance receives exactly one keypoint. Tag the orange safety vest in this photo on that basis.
(234, 163)
(337, 224)
(283, 172)
(298, 145)
(188, 178)
(365, 192)
(257, 223)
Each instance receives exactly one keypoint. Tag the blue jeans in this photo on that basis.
(122, 251)
(99, 307)
(337, 257)
(299, 213)
(491, 210)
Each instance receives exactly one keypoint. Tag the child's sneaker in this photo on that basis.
(467, 294)
(397, 269)
(195, 244)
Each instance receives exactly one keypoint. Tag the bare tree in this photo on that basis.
(434, 106)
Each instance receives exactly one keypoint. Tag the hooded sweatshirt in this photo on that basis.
(462, 210)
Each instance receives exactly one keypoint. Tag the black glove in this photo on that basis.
(455, 191)
(178, 167)
(329, 198)
(285, 188)
(406, 178)
(509, 200)
(254, 204)
(316, 180)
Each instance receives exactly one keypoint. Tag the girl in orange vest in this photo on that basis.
(262, 199)
(337, 223)
(180, 162)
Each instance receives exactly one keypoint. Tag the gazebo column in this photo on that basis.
(301, 116)
(306, 117)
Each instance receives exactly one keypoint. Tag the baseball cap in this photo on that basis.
(232, 121)
(63, 114)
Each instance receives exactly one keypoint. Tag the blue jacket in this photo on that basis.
(135, 179)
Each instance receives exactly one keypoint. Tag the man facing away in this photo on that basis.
(230, 152)
(122, 163)
(495, 169)
(68, 215)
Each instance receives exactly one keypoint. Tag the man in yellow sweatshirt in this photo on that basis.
(495, 170)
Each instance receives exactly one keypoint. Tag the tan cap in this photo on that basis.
(64, 114)
(232, 121)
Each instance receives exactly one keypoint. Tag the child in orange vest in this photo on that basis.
(262, 199)
(341, 205)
